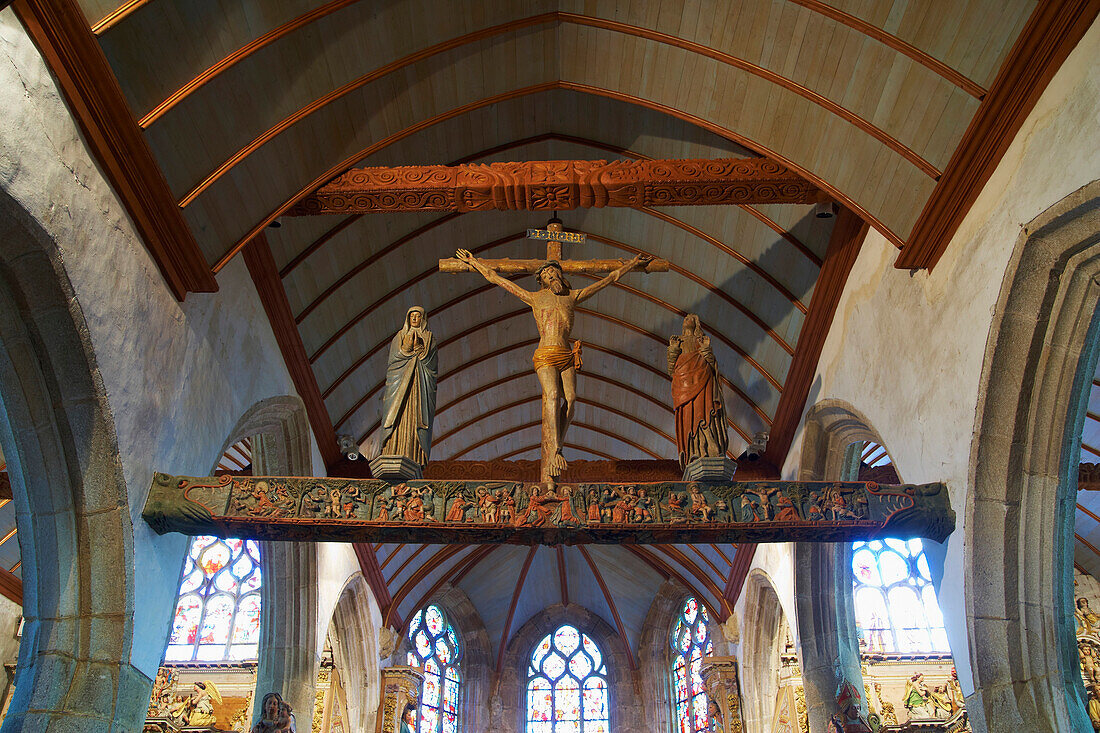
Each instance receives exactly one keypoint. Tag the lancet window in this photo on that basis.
(433, 646)
(691, 643)
(218, 611)
(567, 685)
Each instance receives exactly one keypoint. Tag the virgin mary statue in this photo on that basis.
(408, 404)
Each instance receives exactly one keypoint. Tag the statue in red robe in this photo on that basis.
(696, 395)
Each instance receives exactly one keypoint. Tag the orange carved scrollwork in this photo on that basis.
(559, 185)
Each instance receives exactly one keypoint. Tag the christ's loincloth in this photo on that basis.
(559, 357)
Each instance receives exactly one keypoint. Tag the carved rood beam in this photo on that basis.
(480, 512)
(558, 185)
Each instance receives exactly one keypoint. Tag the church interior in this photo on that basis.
(416, 366)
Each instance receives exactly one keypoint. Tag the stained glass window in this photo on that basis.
(433, 646)
(567, 685)
(895, 603)
(690, 640)
(218, 612)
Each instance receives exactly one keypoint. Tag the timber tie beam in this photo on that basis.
(559, 185)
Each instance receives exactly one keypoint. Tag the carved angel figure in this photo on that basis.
(696, 395)
(408, 403)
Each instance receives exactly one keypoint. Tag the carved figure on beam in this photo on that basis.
(371, 510)
(557, 358)
(408, 402)
(701, 437)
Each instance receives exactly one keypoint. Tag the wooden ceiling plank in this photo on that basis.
(645, 552)
(403, 565)
(573, 18)
(933, 64)
(688, 564)
(1050, 35)
(457, 572)
(574, 424)
(535, 89)
(610, 604)
(118, 15)
(538, 398)
(505, 632)
(567, 444)
(317, 244)
(1089, 513)
(1087, 544)
(61, 33)
(441, 555)
(261, 266)
(844, 245)
(11, 587)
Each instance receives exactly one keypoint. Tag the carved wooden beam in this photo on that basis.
(486, 512)
(558, 185)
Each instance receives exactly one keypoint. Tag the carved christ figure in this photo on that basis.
(557, 358)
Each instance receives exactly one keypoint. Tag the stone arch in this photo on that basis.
(1018, 541)
(762, 644)
(824, 608)
(354, 624)
(75, 534)
(621, 679)
(477, 660)
(290, 653)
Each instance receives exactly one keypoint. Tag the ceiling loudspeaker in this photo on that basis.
(825, 210)
(756, 448)
(348, 447)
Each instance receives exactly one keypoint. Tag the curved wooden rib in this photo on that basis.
(1086, 511)
(436, 441)
(1087, 544)
(118, 15)
(888, 39)
(505, 632)
(430, 564)
(403, 287)
(685, 562)
(714, 128)
(610, 604)
(665, 570)
(405, 564)
(574, 424)
(562, 579)
(464, 296)
(516, 313)
(531, 342)
(455, 575)
(615, 26)
(317, 244)
(706, 560)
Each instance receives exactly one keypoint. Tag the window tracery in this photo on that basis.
(434, 648)
(217, 614)
(567, 685)
(691, 643)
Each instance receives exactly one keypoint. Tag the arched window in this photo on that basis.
(218, 612)
(567, 685)
(690, 640)
(434, 647)
(895, 603)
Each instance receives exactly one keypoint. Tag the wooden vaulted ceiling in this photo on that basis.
(213, 119)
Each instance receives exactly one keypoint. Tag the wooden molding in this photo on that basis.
(261, 266)
(368, 563)
(844, 245)
(739, 570)
(1050, 35)
(558, 185)
(11, 587)
(61, 33)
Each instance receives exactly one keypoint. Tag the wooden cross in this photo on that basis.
(554, 236)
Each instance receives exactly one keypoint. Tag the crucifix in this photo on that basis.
(556, 359)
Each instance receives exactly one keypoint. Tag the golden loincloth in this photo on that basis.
(559, 357)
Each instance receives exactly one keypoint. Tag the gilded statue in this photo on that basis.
(557, 358)
(1088, 622)
(197, 710)
(696, 395)
(408, 403)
